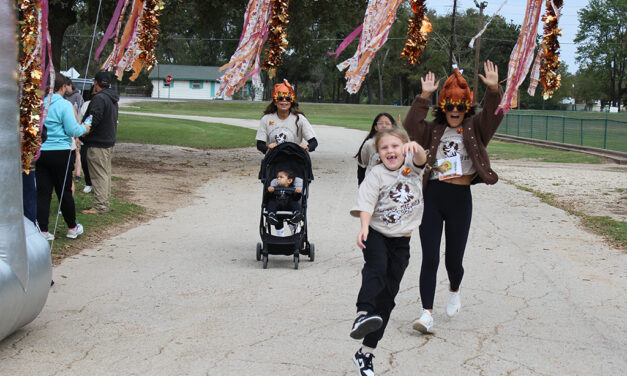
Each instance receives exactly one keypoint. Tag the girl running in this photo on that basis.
(389, 206)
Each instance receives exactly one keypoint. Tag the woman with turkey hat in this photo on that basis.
(283, 121)
(456, 145)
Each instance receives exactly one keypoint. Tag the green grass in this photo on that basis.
(120, 211)
(350, 116)
(511, 150)
(155, 130)
(164, 131)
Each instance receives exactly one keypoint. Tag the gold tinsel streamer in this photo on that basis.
(30, 80)
(148, 37)
(417, 33)
(549, 69)
(277, 39)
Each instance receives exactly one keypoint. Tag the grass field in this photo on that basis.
(600, 130)
(197, 134)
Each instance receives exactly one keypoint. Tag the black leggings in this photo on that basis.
(50, 173)
(385, 262)
(451, 204)
(84, 165)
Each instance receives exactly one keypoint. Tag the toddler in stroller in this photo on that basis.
(286, 174)
(287, 191)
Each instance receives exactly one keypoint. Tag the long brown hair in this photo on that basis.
(373, 132)
(272, 109)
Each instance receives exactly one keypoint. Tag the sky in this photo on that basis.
(514, 11)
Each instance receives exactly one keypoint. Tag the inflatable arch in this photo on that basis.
(25, 265)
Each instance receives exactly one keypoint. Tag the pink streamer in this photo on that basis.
(522, 55)
(111, 29)
(244, 62)
(347, 41)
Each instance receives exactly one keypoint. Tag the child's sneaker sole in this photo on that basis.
(367, 326)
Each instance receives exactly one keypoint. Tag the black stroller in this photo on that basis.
(285, 156)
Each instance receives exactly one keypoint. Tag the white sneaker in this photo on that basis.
(48, 236)
(73, 233)
(280, 232)
(454, 303)
(87, 189)
(425, 323)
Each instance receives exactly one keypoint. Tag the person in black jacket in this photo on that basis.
(100, 141)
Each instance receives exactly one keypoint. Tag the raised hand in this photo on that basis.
(491, 78)
(429, 85)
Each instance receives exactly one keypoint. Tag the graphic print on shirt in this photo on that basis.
(281, 135)
(403, 197)
(450, 149)
(280, 138)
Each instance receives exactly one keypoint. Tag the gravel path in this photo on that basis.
(183, 294)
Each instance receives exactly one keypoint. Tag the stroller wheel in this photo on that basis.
(265, 261)
(312, 252)
(259, 251)
(296, 261)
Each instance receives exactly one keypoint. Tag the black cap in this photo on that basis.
(103, 78)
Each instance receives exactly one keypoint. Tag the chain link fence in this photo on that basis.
(603, 133)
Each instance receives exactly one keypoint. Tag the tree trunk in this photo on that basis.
(60, 17)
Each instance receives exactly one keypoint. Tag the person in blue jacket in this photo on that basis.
(56, 163)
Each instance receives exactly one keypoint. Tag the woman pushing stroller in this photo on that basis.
(283, 122)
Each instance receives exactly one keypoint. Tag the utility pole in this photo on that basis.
(475, 86)
(450, 53)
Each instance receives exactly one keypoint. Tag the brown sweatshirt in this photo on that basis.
(478, 130)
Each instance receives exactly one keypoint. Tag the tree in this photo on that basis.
(602, 37)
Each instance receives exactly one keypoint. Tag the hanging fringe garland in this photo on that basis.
(522, 56)
(244, 63)
(135, 49)
(549, 76)
(480, 33)
(547, 60)
(417, 33)
(379, 17)
(35, 71)
(277, 40)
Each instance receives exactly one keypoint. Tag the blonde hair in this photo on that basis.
(396, 132)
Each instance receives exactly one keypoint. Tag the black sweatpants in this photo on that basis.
(385, 262)
(50, 172)
(450, 204)
(288, 204)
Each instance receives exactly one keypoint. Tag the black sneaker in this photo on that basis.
(365, 324)
(296, 218)
(364, 362)
(273, 219)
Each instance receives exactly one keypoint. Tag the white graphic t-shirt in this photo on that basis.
(393, 198)
(369, 155)
(452, 147)
(272, 129)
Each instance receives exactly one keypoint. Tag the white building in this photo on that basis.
(189, 82)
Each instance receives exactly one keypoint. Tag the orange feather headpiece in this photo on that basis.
(455, 91)
(284, 89)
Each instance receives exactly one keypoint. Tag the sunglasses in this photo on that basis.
(281, 98)
(460, 107)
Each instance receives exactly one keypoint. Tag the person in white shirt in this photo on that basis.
(389, 205)
(283, 121)
(367, 155)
